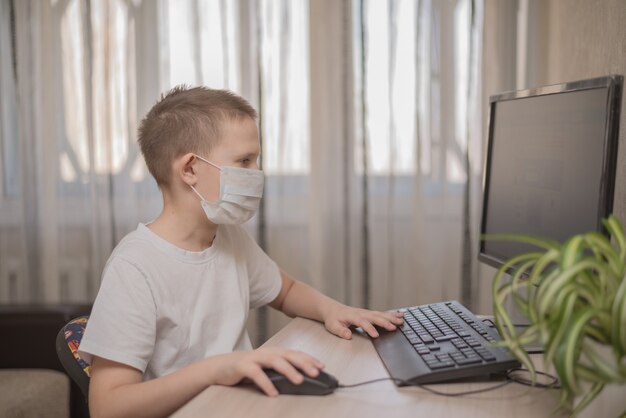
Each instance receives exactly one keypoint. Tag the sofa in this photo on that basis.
(32, 380)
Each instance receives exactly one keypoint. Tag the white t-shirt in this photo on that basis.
(160, 308)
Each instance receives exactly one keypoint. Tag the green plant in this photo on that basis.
(574, 296)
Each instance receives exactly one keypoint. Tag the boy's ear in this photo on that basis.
(185, 168)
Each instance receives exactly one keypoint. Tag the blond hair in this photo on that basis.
(186, 120)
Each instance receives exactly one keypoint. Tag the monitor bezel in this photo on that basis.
(614, 85)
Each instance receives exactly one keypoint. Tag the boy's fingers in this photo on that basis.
(340, 330)
(285, 368)
(384, 323)
(397, 317)
(368, 327)
(389, 322)
(393, 317)
(307, 364)
(263, 382)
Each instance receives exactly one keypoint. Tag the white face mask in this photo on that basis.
(241, 190)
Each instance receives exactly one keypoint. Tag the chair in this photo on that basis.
(67, 342)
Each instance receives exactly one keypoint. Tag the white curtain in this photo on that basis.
(74, 182)
(371, 127)
(418, 148)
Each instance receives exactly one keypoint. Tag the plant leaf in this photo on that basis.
(618, 316)
(617, 231)
(562, 321)
(547, 293)
(568, 352)
(571, 251)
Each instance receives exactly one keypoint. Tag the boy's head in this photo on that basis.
(188, 120)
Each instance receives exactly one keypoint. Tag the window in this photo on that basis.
(416, 71)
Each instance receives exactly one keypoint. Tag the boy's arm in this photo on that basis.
(117, 390)
(298, 299)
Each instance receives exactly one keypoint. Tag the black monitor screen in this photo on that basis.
(550, 164)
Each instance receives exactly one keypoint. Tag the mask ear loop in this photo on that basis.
(196, 192)
(208, 162)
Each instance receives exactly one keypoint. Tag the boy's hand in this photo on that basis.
(339, 320)
(231, 368)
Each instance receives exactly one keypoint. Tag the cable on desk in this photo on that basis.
(367, 382)
(516, 375)
(429, 389)
(512, 376)
(489, 321)
(467, 392)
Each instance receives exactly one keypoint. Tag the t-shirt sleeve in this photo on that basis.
(122, 324)
(264, 274)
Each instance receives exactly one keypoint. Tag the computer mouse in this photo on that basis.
(323, 384)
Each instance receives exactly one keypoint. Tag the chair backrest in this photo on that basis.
(68, 340)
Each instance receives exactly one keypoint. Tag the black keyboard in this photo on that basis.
(441, 342)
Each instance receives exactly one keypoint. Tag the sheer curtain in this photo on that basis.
(416, 72)
(370, 121)
(74, 180)
(398, 176)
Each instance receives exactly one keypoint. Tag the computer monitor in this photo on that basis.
(550, 165)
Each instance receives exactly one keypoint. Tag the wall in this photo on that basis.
(529, 43)
(587, 39)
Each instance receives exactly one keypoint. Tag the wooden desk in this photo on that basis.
(356, 361)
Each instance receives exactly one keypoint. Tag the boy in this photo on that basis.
(169, 319)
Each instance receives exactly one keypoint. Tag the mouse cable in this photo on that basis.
(518, 376)
(512, 376)
(429, 389)
(489, 322)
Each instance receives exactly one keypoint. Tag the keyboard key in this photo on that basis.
(456, 342)
(429, 357)
(468, 360)
(414, 339)
(445, 337)
(440, 365)
(485, 354)
(467, 351)
(405, 326)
